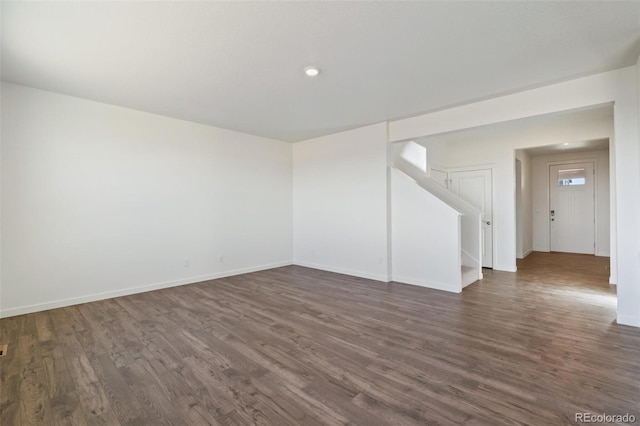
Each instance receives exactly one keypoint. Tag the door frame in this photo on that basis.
(472, 168)
(578, 160)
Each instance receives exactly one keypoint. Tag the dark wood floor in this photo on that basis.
(299, 346)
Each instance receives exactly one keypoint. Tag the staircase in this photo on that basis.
(469, 275)
(445, 250)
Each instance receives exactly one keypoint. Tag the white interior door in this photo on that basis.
(572, 208)
(474, 187)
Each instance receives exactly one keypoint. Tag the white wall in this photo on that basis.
(100, 201)
(621, 88)
(340, 202)
(526, 189)
(423, 251)
(541, 197)
(524, 205)
(436, 156)
(519, 248)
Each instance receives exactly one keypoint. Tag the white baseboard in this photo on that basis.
(542, 249)
(20, 310)
(628, 320)
(525, 254)
(513, 268)
(367, 275)
(429, 284)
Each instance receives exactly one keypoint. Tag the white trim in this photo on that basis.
(632, 321)
(542, 249)
(20, 310)
(508, 269)
(389, 196)
(435, 285)
(525, 254)
(436, 167)
(472, 168)
(360, 274)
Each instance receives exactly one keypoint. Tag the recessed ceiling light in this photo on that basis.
(311, 71)
(566, 143)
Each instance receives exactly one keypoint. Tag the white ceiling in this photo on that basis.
(547, 127)
(573, 147)
(238, 65)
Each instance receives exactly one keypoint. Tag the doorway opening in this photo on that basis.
(563, 203)
(476, 188)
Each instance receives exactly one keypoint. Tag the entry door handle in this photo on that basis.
(488, 222)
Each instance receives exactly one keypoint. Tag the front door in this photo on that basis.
(474, 186)
(572, 208)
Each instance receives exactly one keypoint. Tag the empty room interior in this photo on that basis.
(319, 213)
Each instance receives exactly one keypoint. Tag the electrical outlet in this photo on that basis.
(221, 259)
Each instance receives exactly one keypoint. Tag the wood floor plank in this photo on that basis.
(65, 404)
(10, 399)
(121, 399)
(34, 398)
(10, 372)
(297, 346)
(67, 410)
(95, 405)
